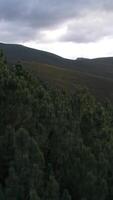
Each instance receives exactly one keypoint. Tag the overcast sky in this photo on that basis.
(70, 28)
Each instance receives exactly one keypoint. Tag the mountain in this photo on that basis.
(16, 53)
(54, 145)
(99, 66)
(96, 74)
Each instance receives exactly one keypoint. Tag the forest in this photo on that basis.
(53, 145)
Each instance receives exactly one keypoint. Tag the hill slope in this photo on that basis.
(96, 74)
(99, 66)
(16, 53)
(53, 145)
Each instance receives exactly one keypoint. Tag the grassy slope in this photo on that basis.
(99, 66)
(96, 74)
(99, 85)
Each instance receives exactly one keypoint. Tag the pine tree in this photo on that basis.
(34, 195)
(12, 185)
(2, 197)
(2, 58)
(66, 195)
(52, 189)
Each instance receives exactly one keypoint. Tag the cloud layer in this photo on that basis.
(84, 21)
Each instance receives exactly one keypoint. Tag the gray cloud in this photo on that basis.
(22, 21)
(40, 13)
(89, 28)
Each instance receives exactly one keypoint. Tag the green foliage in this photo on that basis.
(53, 145)
(12, 185)
(66, 195)
(33, 195)
(52, 189)
(2, 197)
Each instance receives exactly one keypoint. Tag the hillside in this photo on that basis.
(16, 53)
(53, 145)
(99, 66)
(96, 74)
(99, 86)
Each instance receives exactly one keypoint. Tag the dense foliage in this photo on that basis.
(53, 146)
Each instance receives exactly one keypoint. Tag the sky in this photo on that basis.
(69, 28)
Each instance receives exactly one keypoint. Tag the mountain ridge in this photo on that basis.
(97, 66)
(95, 74)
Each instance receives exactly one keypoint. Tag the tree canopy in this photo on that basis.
(53, 145)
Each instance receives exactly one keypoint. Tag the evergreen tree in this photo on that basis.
(2, 197)
(12, 185)
(51, 140)
(66, 195)
(33, 195)
(52, 189)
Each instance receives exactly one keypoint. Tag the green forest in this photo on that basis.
(53, 145)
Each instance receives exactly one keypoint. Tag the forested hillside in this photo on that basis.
(53, 145)
(95, 74)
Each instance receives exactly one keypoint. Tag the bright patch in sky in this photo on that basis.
(53, 35)
(71, 50)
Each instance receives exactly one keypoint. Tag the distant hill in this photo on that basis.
(99, 66)
(16, 53)
(96, 74)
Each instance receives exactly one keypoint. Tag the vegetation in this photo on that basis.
(70, 80)
(95, 74)
(53, 145)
